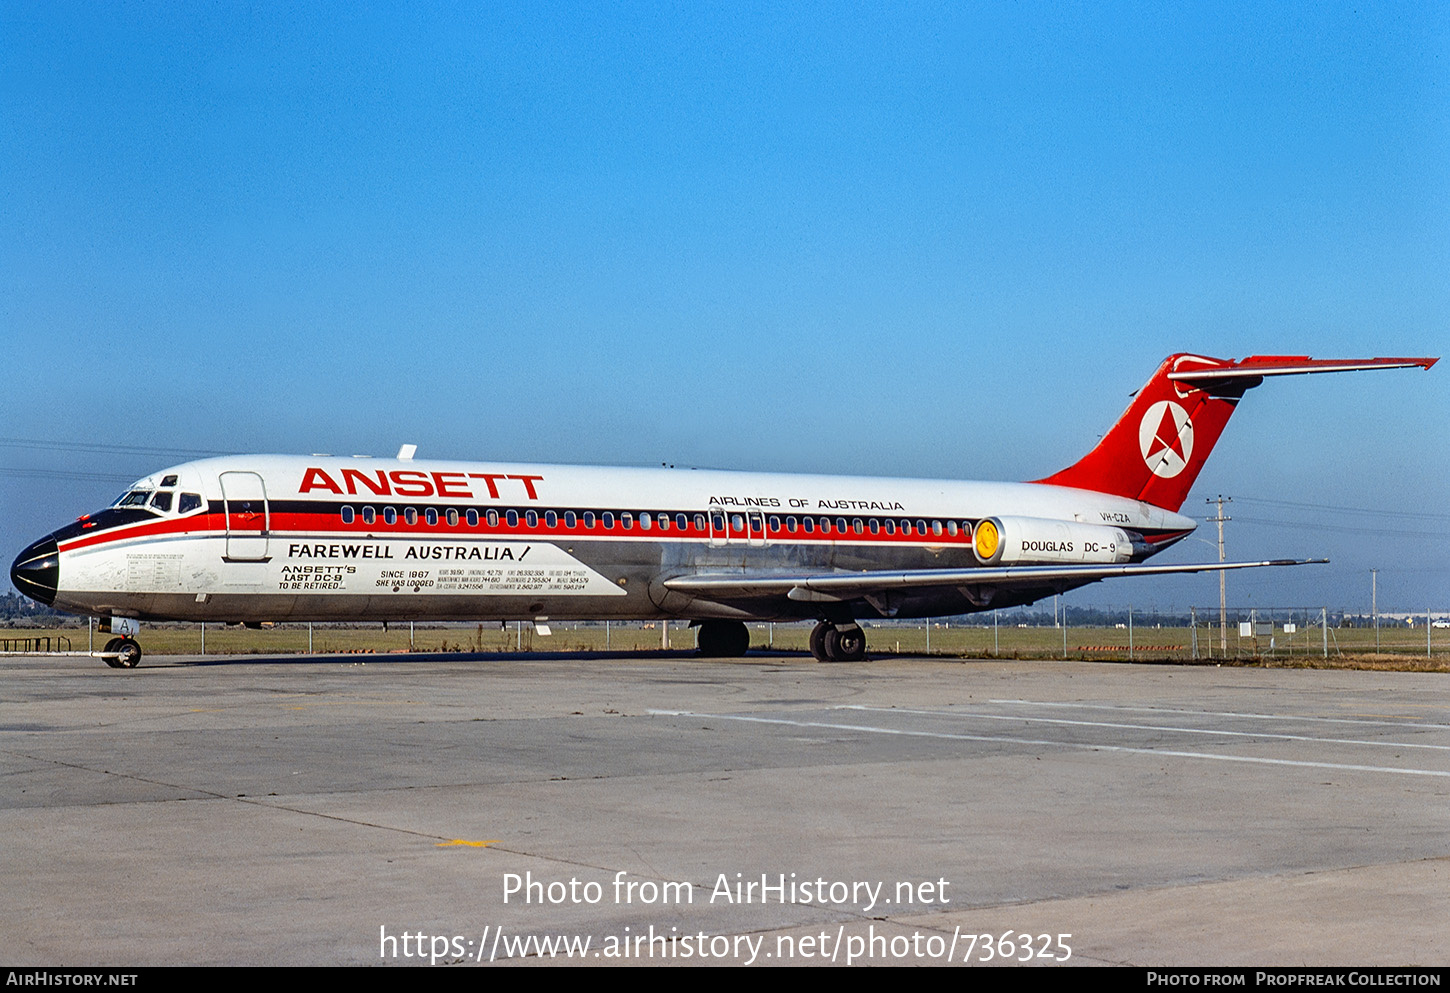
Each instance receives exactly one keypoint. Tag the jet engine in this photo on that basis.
(1036, 541)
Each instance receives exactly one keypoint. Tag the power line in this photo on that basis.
(1376, 512)
(1346, 529)
(44, 444)
(106, 477)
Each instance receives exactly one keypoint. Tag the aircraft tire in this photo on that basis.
(724, 639)
(112, 646)
(130, 654)
(818, 641)
(846, 644)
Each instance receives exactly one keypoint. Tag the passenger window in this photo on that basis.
(663, 520)
(589, 519)
(737, 522)
(471, 516)
(857, 526)
(952, 528)
(808, 524)
(699, 522)
(492, 518)
(347, 514)
(531, 518)
(841, 525)
(626, 520)
(606, 520)
(645, 522)
(875, 526)
(452, 517)
(390, 515)
(369, 515)
(571, 519)
(410, 515)
(936, 527)
(551, 519)
(775, 523)
(790, 523)
(889, 525)
(512, 517)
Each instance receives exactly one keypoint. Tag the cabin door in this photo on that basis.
(244, 496)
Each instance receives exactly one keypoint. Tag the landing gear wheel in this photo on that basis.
(818, 641)
(723, 639)
(846, 644)
(130, 656)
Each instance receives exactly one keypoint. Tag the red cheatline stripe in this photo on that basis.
(293, 524)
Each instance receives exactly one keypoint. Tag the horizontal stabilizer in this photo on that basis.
(1293, 365)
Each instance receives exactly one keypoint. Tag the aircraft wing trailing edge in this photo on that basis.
(851, 585)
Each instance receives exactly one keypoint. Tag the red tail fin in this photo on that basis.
(1156, 449)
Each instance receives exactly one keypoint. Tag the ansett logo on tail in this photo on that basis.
(1165, 437)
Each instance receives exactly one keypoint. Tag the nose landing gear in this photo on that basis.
(838, 643)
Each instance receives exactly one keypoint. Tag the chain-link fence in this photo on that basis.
(1126, 634)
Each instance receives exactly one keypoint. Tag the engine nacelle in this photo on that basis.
(1037, 541)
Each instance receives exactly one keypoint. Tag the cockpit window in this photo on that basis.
(136, 498)
(188, 502)
(169, 480)
(161, 501)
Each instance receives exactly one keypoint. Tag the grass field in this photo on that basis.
(1399, 648)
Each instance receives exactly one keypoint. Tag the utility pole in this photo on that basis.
(1222, 594)
(1374, 604)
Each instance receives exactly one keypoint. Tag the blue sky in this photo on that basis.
(917, 239)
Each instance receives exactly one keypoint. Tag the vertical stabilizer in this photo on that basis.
(1156, 449)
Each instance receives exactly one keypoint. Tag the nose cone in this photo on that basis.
(36, 571)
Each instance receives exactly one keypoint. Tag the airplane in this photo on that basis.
(250, 539)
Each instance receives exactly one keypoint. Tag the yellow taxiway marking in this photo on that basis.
(470, 844)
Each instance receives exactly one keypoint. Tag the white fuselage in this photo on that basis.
(275, 538)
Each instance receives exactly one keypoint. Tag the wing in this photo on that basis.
(835, 586)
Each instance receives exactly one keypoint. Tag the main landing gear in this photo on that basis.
(128, 653)
(843, 643)
(723, 639)
(830, 641)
